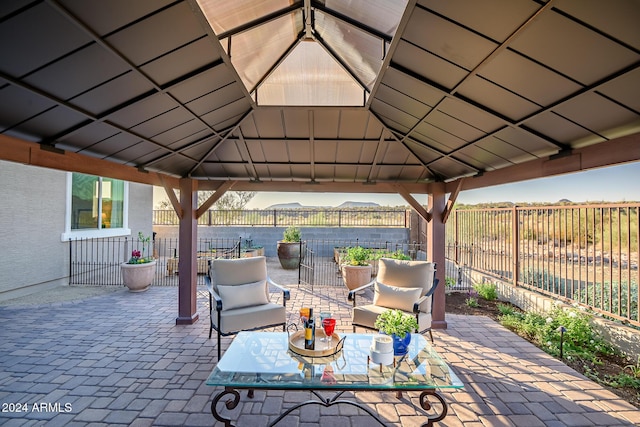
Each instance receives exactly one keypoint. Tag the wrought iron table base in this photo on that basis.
(326, 402)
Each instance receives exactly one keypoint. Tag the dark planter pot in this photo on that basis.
(289, 255)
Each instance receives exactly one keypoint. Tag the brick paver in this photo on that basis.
(119, 359)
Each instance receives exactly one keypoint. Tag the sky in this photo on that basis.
(610, 184)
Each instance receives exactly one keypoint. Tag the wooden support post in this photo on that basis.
(187, 267)
(436, 252)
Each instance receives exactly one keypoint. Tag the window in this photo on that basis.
(96, 206)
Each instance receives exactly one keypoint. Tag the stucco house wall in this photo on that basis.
(32, 221)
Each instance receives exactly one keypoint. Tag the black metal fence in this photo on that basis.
(320, 265)
(96, 262)
(294, 217)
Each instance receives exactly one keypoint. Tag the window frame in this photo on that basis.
(97, 232)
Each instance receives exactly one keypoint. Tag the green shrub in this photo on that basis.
(471, 301)
(506, 309)
(291, 234)
(357, 255)
(399, 254)
(488, 291)
(580, 339)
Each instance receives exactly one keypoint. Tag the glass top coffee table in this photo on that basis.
(263, 360)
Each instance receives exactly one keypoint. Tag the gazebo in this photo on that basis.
(420, 98)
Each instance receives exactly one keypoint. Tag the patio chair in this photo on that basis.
(239, 297)
(403, 285)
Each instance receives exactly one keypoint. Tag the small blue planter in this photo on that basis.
(401, 344)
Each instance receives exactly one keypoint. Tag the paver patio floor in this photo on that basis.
(119, 359)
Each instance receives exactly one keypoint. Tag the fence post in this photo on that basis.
(456, 246)
(515, 245)
(70, 261)
(275, 218)
(300, 246)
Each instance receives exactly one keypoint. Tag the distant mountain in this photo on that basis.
(358, 205)
(293, 205)
(296, 205)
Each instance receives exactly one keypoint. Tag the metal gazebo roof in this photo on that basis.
(413, 92)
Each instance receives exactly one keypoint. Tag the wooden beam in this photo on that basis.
(452, 200)
(33, 154)
(173, 198)
(316, 187)
(413, 203)
(614, 152)
(224, 187)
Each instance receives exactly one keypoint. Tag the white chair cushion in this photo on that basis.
(237, 271)
(248, 318)
(408, 274)
(366, 315)
(238, 296)
(396, 297)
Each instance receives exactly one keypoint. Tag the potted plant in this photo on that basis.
(138, 272)
(399, 326)
(400, 255)
(259, 250)
(356, 269)
(289, 248)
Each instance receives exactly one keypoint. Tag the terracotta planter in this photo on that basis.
(138, 277)
(289, 254)
(249, 253)
(356, 275)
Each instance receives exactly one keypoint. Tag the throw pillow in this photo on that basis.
(396, 297)
(238, 296)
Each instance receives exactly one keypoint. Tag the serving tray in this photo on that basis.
(322, 348)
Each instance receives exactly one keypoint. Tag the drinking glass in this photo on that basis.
(324, 315)
(329, 325)
(304, 314)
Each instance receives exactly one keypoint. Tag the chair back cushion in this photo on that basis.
(237, 272)
(408, 274)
